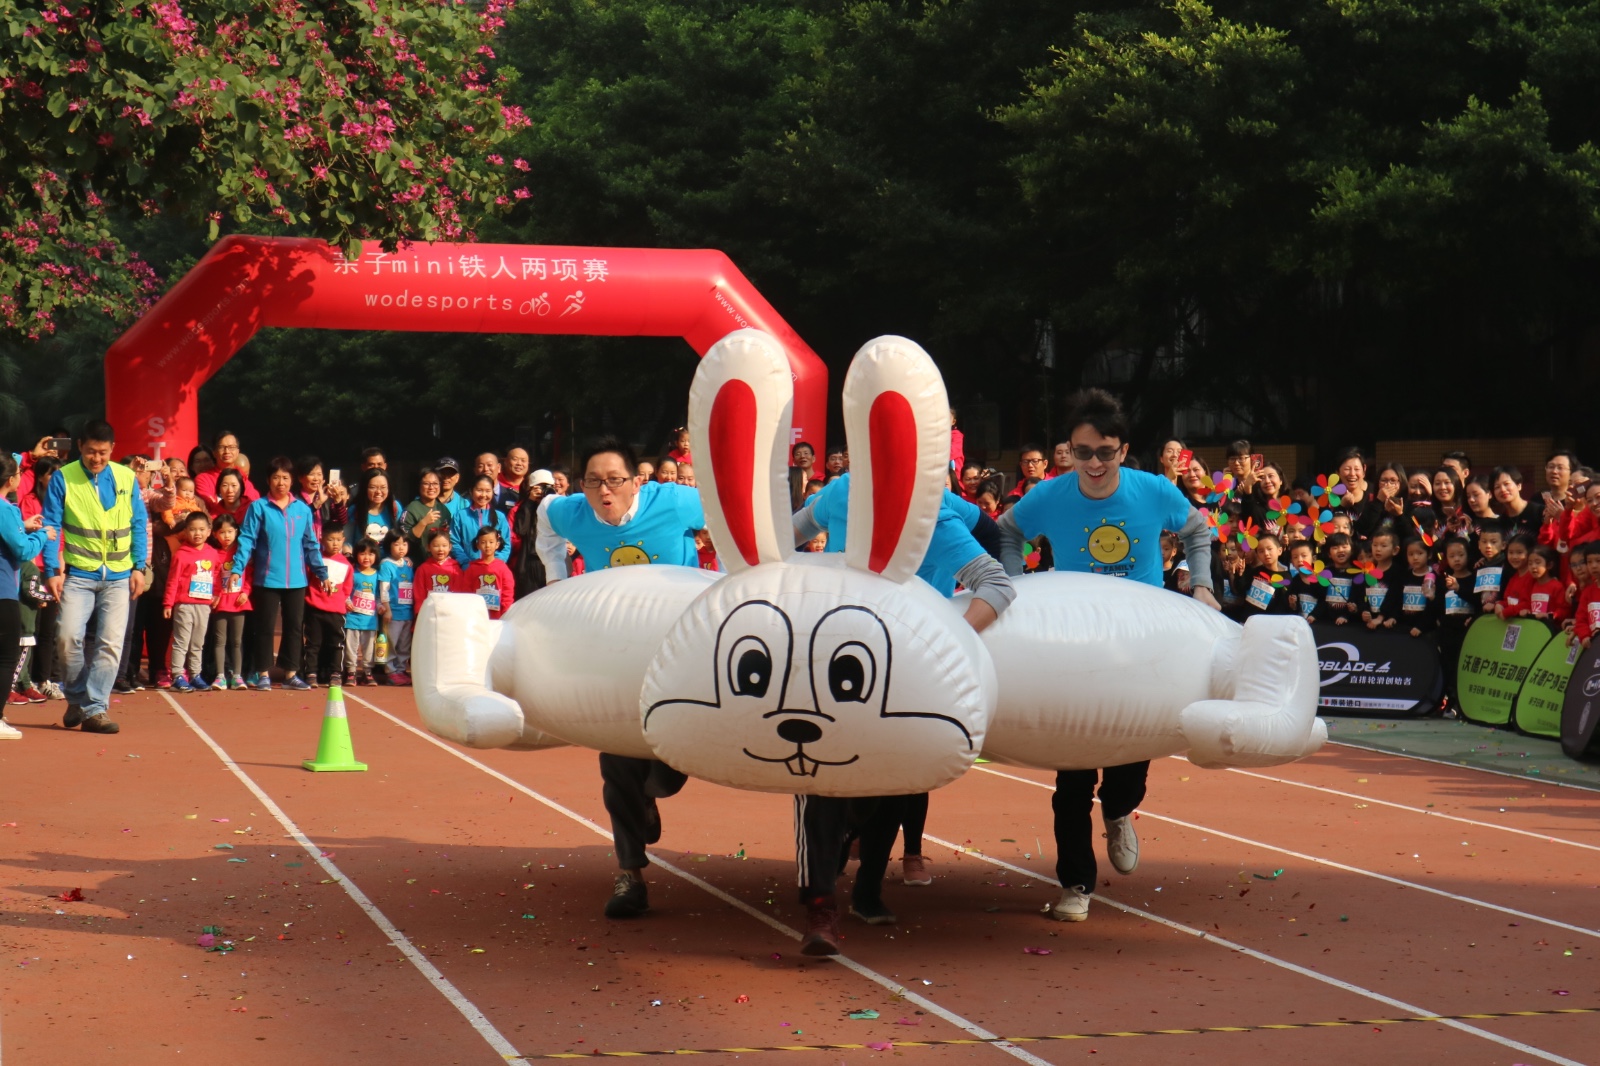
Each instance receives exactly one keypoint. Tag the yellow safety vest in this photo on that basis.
(93, 538)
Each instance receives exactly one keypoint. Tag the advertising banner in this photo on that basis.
(1496, 658)
(1377, 673)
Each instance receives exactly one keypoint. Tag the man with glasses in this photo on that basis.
(1102, 519)
(1030, 465)
(1560, 503)
(619, 522)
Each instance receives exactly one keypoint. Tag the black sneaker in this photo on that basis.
(822, 930)
(73, 718)
(122, 685)
(872, 911)
(629, 898)
(99, 723)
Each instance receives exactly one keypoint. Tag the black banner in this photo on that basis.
(1580, 713)
(1377, 673)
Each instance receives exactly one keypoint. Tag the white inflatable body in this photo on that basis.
(844, 674)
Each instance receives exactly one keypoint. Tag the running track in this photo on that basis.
(444, 908)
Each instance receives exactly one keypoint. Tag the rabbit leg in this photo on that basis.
(450, 657)
(1272, 717)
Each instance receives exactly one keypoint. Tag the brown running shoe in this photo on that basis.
(822, 930)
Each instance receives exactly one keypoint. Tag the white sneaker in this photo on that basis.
(9, 731)
(1073, 906)
(52, 690)
(1122, 844)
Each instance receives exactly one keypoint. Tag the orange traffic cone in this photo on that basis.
(334, 751)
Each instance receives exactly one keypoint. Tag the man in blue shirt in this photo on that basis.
(954, 556)
(1102, 519)
(618, 522)
(94, 567)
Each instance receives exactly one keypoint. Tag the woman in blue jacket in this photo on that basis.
(19, 542)
(467, 523)
(279, 540)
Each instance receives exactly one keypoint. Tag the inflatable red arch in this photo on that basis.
(154, 371)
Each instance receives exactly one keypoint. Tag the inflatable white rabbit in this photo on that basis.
(839, 674)
(844, 674)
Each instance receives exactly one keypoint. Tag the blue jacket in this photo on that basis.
(467, 523)
(17, 546)
(282, 543)
(55, 502)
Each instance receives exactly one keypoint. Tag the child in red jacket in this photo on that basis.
(191, 587)
(228, 610)
(1537, 591)
(1586, 613)
(487, 576)
(439, 574)
(324, 654)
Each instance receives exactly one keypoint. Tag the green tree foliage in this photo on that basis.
(372, 119)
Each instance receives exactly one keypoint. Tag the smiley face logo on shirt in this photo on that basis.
(630, 555)
(1108, 544)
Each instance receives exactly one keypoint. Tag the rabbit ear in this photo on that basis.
(897, 423)
(740, 409)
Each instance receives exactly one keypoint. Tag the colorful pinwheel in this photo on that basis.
(1328, 489)
(1248, 533)
(1374, 575)
(1427, 538)
(1315, 574)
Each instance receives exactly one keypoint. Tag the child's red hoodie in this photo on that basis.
(1587, 616)
(433, 577)
(491, 579)
(343, 576)
(232, 602)
(1545, 599)
(193, 577)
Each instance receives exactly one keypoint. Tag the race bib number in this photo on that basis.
(201, 585)
(1488, 580)
(1540, 604)
(1260, 594)
(1413, 599)
(1338, 594)
(1454, 604)
(1594, 614)
(1376, 594)
(363, 602)
(1307, 604)
(402, 593)
(491, 596)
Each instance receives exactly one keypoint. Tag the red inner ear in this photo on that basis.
(733, 463)
(892, 430)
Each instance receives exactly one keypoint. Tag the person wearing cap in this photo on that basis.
(426, 515)
(526, 566)
(449, 472)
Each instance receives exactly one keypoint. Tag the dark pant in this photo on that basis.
(10, 639)
(44, 654)
(631, 788)
(226, 640)
(267, 603)
(324, 643)
(878, 831)
(1121, 792)
(824, 826)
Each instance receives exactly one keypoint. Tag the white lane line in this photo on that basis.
(971, 1028)
(1554, 923)
(1524, 778)
(1419, 810)
(475, 1018)
(1390, 1001)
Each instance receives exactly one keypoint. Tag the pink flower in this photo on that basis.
(521, 164)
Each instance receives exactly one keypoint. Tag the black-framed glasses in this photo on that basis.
(612, 483)
(1033, 462)
(1106, 453)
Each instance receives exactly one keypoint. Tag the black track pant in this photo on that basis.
(1121, 792)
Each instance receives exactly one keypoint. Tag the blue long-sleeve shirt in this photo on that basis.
(282, 544)
(55, 504)
(467, 523)
(17, 546)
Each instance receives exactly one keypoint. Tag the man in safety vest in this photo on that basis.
(94, 566)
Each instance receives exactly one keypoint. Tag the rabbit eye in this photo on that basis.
(851, 673)
(750, 667)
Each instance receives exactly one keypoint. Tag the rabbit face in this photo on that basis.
(810, 677)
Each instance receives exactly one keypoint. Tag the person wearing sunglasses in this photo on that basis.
(1102, 519)
(619, 522)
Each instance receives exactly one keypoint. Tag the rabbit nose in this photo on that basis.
(799, 731)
